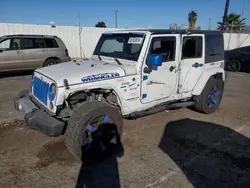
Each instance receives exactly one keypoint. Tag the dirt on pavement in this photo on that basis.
(179, 148)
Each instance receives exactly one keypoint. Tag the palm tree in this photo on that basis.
(192, 18)
(234, 23)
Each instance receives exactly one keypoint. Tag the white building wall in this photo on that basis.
(90, 36)
(69, 35)
(232, 41)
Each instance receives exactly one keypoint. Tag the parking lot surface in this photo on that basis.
(179, 148)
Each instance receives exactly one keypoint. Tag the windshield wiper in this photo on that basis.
(99, 57)
(117, 61)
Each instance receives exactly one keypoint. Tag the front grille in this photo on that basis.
(40, 90)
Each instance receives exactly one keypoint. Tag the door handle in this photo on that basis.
(172, 68)
(196, 65)
(19, 52)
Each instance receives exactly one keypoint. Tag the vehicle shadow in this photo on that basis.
(210, 155)
(16, 73)
(99, 167)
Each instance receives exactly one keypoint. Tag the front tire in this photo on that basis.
(82, 133)
(209, 100)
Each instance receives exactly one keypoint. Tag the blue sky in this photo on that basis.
(132, 13)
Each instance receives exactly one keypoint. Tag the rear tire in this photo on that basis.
(50, 62)
(78, 126)
(209, 99)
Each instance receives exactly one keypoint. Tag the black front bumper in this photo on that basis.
(36, 118)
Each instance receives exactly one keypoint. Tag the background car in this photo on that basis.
(238, 59)
(28, 52)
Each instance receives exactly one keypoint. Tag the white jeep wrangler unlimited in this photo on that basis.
(131, 74)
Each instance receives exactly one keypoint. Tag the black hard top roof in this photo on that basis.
(169, 31)
(29, 35)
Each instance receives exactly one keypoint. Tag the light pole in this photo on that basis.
(116, 11)
(209, 28)
(224, 22)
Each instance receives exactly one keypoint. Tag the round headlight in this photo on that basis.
(52, 92)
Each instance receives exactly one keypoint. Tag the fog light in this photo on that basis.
(51, 106)
(19, 106)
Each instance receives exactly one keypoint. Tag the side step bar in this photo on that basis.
(159, 108)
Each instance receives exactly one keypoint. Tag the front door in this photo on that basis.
(161, 82)
(192, 61)
(11, 56)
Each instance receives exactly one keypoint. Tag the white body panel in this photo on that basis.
(75, 71)
(162, 83)
(129, 82)
(190, 74)
(210, 70)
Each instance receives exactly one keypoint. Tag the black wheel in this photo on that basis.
(211, 96)
(50, 62)
(94, 127)
(234, 65)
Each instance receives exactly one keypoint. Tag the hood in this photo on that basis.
(85, 71)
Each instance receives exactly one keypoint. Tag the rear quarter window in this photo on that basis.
(51, 43)
(214, 48)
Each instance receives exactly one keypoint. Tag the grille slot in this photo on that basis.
(40, 90)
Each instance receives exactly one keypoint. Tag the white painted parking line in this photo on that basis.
(188, 162)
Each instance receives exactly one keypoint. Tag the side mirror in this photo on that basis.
(154, 60)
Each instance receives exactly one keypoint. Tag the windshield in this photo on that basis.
(124, 46)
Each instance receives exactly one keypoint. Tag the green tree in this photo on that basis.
(234, 23)
(192, 18)
(100, 24)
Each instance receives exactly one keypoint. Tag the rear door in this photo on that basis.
(192, 61)
(11, 56)
(34, 52)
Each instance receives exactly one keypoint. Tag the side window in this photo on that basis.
(214, 45)
(38, 43)
(164, 46)
(16, 44)
(10, 44)
(27, 43)
(51, 43)
(192, 47)
(5, 45)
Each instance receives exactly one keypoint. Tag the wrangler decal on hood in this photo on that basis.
(98, 77)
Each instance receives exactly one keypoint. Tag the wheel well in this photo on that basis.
(218, 76)
(204, 80)
(99, 94)
(51, 58)
(78, 98)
